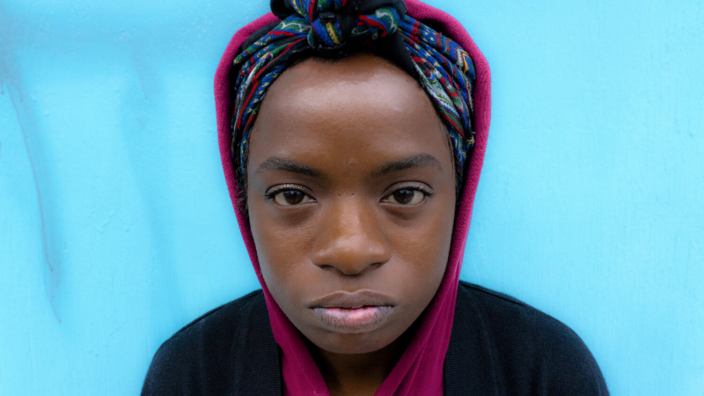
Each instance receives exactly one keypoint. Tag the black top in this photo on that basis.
(499, 346)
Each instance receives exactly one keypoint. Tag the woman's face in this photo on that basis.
(351, 195)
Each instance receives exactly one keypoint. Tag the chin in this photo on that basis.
(353, 344)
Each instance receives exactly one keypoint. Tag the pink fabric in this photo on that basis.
(420, 369)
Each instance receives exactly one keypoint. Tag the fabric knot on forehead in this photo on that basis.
(330, 28)
(332, 23)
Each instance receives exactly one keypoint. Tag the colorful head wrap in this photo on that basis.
(333, 28)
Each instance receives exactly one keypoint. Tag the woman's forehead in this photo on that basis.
(317, 83)
(357, 67)
(361, 93)
(362, 109)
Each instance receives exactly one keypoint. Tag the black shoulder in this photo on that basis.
(202, 357)
(532, 352)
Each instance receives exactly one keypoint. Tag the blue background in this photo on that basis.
(116, 228)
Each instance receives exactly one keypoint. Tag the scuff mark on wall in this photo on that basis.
(17, 100)
(142, 127)
(139, 67)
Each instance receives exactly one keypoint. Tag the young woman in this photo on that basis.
(352, 136)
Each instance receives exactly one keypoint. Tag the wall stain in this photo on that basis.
(139, 67)
(142, 128)
(17, 99)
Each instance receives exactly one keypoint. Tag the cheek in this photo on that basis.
(282, 252)
(425, 251)
(422, 252)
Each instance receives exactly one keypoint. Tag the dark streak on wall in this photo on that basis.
(8, 77)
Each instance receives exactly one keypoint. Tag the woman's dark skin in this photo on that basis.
(351, 186)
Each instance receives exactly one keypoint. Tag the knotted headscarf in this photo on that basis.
(336, 27)
(263, 49)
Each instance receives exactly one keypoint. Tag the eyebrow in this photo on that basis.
(281, 164)
(415, 161)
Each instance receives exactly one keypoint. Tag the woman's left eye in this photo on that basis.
(291, 197)
(406, 197)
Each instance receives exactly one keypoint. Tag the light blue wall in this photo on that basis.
(116, 228)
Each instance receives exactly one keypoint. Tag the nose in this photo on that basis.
(349, 239)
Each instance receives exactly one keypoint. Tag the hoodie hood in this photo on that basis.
(420, 369)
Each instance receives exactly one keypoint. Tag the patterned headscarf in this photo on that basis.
(442, 67)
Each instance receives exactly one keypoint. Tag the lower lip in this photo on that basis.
(352, 321)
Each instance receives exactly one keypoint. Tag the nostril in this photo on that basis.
(350, 240)
(375, 265)
(350, 271)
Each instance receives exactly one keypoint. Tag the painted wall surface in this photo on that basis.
(116, 228)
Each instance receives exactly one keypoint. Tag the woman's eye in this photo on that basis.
(291, 197)
(406, 197)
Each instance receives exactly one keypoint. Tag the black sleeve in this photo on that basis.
(166, 373)
(567, 367)
(533, 354)
(194, 361)
(228, 351)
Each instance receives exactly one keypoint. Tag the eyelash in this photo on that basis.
(269, 195)
(422, 189)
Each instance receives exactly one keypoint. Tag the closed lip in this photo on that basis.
(353, 313)
(351, 300)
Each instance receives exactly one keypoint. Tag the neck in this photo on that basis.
(358, 374)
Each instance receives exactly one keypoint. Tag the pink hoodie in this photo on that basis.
(420, 369)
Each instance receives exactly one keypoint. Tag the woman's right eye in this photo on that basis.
(291, 197)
